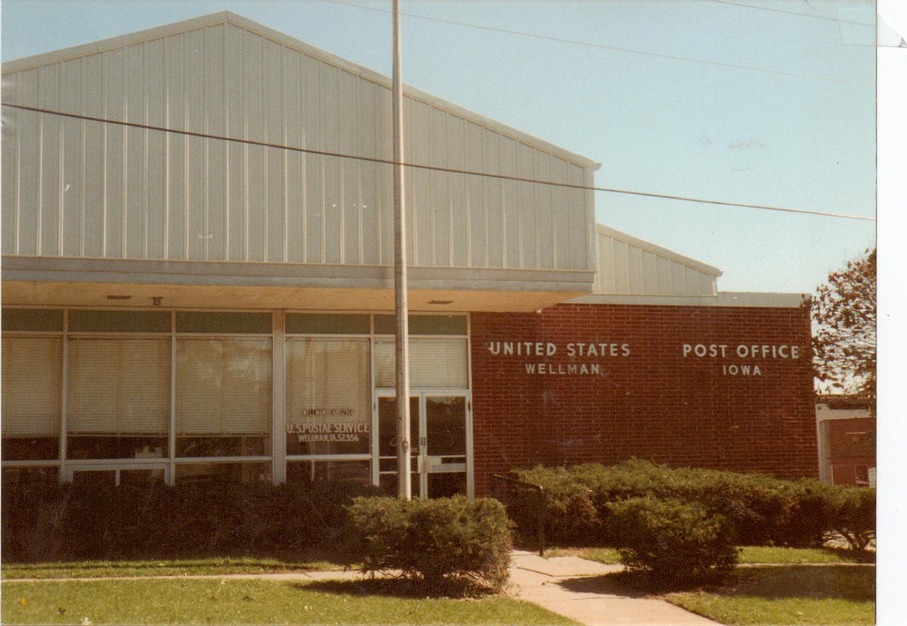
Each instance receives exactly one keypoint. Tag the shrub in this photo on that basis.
(763, 509)
(674, 542)
(571, 514)
(49, 522)
(444, 542)
(852, 515)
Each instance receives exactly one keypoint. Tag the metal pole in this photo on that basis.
(404, 481)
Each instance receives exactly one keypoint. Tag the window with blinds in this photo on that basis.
(32, 386)
(328, 394)
(433, 363)
(119, 386)
(223, 386)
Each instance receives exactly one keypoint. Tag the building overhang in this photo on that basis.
(45, 281)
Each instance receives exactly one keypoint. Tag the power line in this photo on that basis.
(421, 166)
(817, 17)
(589, 44)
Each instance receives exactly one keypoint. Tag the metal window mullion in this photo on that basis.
(64, 425)
(470, 456)
(278, 398)
(170, 479)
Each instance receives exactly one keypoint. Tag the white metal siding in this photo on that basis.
(630, 266)
(79, 188)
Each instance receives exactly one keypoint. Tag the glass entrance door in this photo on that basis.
(438, 444)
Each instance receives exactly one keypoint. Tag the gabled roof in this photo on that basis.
(228, 17)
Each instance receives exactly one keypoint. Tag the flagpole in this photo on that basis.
(404, 473)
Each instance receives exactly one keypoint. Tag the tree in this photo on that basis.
(844, 337)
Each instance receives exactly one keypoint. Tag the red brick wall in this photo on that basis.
(852, 449)
(646, 398)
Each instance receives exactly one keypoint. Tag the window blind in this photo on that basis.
(223, 386)
(327, 380)
(119, 386)
(32, 386)
(432, 363)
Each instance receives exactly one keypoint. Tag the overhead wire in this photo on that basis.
(839, 20)
(422, 166)
(589, 44)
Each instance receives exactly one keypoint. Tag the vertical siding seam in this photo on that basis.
(303, 161)
(553, 212)
(535, 211)
(451, 235)
(265, 196)
(502, 217)
(165, 61)
(206, 113)
(467, 197)
(40, 180)
(432, 225)
(124, 180)
(245, 149)
(104, 135)
(286, 158)
(146, 230)
(486, 253)
(187, 145)
(227, 195)
(61, 184)
(18, 165)
(82, 175)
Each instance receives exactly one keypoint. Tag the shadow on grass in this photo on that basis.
(840, 581)
(396, 588)
(848, 554)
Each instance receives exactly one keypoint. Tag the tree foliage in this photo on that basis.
(844, 329)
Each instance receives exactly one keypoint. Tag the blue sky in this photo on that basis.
(769, 102)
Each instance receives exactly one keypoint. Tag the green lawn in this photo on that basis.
(204, 601)
(777, 586)
(749, 555)
(169, 567)
(791, 594)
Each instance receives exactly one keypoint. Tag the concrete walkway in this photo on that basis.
(567, 585)
(575, 588)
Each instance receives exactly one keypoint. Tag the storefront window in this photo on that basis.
(358, 472)
(328, 396)
(32, 397)
(433, 363)
(424, 325)
(223, 397)
(118, 404)
(327, 324)
(223, 472)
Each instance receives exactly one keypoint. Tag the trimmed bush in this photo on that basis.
(674, 542)
(443, 543)
(764, 510)
(852, 515)
(43, 522)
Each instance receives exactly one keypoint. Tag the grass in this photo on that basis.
(749, 555)
(607, 556)
(779, 586)
(203, 601)
(757, 555)
(829, 595)
(168, 567)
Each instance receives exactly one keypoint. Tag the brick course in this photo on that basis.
(643, 397)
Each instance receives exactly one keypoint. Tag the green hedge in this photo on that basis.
(44, 522)
(442, 543)
(763, 510)
(673, 541)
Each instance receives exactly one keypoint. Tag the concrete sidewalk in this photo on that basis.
(575, 588)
